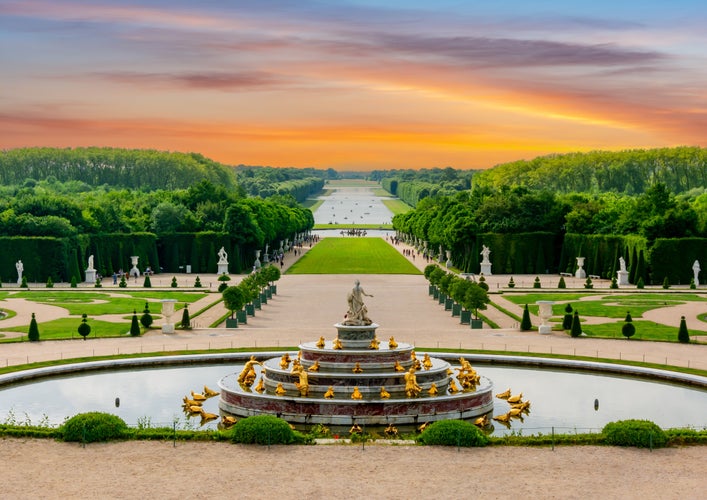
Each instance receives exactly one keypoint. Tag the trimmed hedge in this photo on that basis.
(639, 433)
(453, 433)
(265, 429)
(93, 427)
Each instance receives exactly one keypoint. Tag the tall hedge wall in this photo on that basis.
(42, 257)
(521, 253)
(674, 258)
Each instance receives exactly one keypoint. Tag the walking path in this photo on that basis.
(307, 306)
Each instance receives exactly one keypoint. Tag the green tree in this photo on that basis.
(576, 329)
(186, 321)
(146, 318)
(84, 328)
(135, 326)
(683, 334)
(536, 284)
(628, 329)
(525, 324)
(174, 283)
(33, 333)
(561, 283)
(197, 283)
(666, 283)
(148, 282)
(233, 299)
(567, 318)
(50, 282)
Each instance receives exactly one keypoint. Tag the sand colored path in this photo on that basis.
(138, 470)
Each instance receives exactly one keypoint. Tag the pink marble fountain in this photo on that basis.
(355, 378)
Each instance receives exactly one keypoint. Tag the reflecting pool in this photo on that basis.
(564, 400)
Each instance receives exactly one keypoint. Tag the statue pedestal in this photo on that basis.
(622, 278)
(580, 274)
(90, 275)
(545, 313)
(486, 269)
(167, 312)
(222, 268)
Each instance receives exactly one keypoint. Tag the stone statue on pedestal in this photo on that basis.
(20, 268)
(696, 271)
(357, 315)
(485, 262)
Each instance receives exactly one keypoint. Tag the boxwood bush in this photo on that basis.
(639, 433)
(93, 427)
(265, 429)
(453, 433)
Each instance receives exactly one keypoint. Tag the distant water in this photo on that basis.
(352, 205)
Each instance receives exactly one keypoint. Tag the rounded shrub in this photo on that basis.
(93, 427)
(453, 433)
(639, 433)
(264, 429)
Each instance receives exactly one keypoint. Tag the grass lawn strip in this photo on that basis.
(353, 256)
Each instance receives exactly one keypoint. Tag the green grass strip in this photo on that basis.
(353, 256)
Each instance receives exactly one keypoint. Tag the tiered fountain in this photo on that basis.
(356, 379)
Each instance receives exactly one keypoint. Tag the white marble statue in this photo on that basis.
(222, 256)
(696, 271)
(90, 263)
(20, 268)
(485, 252)
(622, 264)
(357, 313)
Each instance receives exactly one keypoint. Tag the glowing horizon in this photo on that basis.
(354, 85)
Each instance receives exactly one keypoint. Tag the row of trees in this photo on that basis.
(297, 183)
(47, 209)
(119, 168)
(630, 172)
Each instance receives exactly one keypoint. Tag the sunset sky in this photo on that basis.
(354, 85)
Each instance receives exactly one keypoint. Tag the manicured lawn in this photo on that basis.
(610, 306)
(66, 328)
(397, 206)
(353, 256)
(98, 303)
(645, 330)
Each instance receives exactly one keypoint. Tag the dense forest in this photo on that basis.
(171, 209)
(629, 172)
(268, 181)
(536, 217)
(146, 170)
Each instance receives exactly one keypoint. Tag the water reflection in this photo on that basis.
(564, 400)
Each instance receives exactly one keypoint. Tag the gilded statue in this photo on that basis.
(398, 367)
(356, 394)
(314, 367)
(247, 375)
(453, 389)
(303, 383)
(357, 315)
(357, 368)
(329, 394)
(391, 430)
(392, 344)
(321, 343)
(433, 390)
(279, 390)
(375, 344)
(261, 386)
(411, 388)
(427, 362)
(384, 394)
(285, 361)
(337, 344)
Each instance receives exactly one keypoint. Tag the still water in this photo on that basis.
(560, 399)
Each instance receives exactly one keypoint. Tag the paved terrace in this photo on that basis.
(307, 306)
